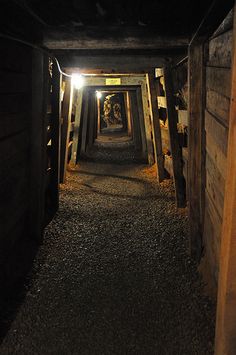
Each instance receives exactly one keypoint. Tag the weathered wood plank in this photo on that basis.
(37, 161)
(215, 217)
(220, 50)
(137, 40)
(168, 164)
(14, 49)
(156, 129)
(92, 118)
(212, 248)
(145, 150)
(183, 117)
(216, 154)
(196, 146)
(84, 117)
(225, 340)
(74, 157)
(14, 190)
(161, 101)
(12, 124)
(133, 108)
(215, 192)
(174, 140)
(18, 143)
(65, 128)
(218, 105)
(16, 225)
(14, 103)
(13, 82)
(219, 80)
(218, 132)
(55, 136)
(215, 172)
(165, 139)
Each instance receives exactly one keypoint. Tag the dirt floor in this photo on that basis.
(113, 275)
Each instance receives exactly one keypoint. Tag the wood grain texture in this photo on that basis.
(219, 80)
(225, 340)
(196, 146)
(220, 50)
(218, 105)
(218, 132)
(65, 129)
(37, 161)
(159, 159)
(174, 140)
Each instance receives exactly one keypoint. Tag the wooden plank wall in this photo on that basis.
(218, 91)
(15, 105)
(29, 148)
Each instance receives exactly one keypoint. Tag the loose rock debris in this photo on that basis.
(113, 275)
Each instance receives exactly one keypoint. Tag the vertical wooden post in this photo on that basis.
(225, 340)
(135, 120)
(156, 129)
(99, 115)
(128, 105)
(141, 121)
(196, 146)
(174, 141)
(56, 133)
(84, 122)
(74, 157)
(92, 118)
(38, 143)
(65, 129)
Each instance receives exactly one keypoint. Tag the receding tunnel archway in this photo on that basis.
(115, 119)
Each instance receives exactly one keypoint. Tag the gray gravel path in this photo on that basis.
(113, 275)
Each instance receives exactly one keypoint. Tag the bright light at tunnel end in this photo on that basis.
(77, 81)
(99, 94)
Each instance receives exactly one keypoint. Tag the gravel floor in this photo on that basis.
(113, 275)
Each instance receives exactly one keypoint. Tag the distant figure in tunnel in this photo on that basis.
(112, 111)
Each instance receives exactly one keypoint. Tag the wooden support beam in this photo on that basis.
(133, 109)
(92, 117)
(111, 63)
(38, 143)
(99, 114)
(156, 128)
(84, 121)
(128, 112)
(74, 157)
(65, 129)
(56, 134)
(117, 40)
(145, 150)
(225, 340)
(176, 153)
(196, 146)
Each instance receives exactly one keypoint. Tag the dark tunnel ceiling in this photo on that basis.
(173, 17)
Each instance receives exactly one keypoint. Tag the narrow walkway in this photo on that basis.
(113, 275)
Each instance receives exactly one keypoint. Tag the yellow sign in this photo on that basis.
(113, 81)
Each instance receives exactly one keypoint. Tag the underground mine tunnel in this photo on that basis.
(117, 177)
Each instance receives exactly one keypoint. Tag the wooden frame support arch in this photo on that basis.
(159, 158)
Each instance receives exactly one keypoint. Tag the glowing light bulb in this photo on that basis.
(99, 94)
(77, 81)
